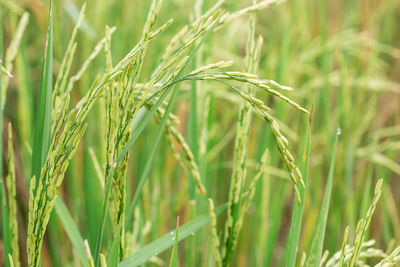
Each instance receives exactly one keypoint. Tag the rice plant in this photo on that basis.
(199, 133)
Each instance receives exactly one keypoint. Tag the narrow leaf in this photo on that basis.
(42, 132)
(174, 254)
(295, 227)
(4, 208)
(317, 242)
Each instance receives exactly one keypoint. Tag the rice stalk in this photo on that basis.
(133, 105)
(280, 140)
(252, 187)
(363, 224)
(171, 80)
(361, 250)
(117, 198)
(96, 50)
(65, 139)
(267, 85)
(119, 123)
(234, 215)
(65, 67)
(343, 250)
(390, 260)
(12, 202)
(214, 233)
(343, 257)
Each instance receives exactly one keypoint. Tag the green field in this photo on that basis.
(200, 133)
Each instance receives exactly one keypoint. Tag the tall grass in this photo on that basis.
(169, 137)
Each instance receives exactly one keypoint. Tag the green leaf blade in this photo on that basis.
(42, 132)
(4, 208)
(317, 242)
(174, 255)
(298, 208)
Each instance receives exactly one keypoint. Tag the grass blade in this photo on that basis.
(12, 201)
(174, 254)
(42, 132)
(4, 207)
(317, 242)
(295, 227)
(166, 241)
